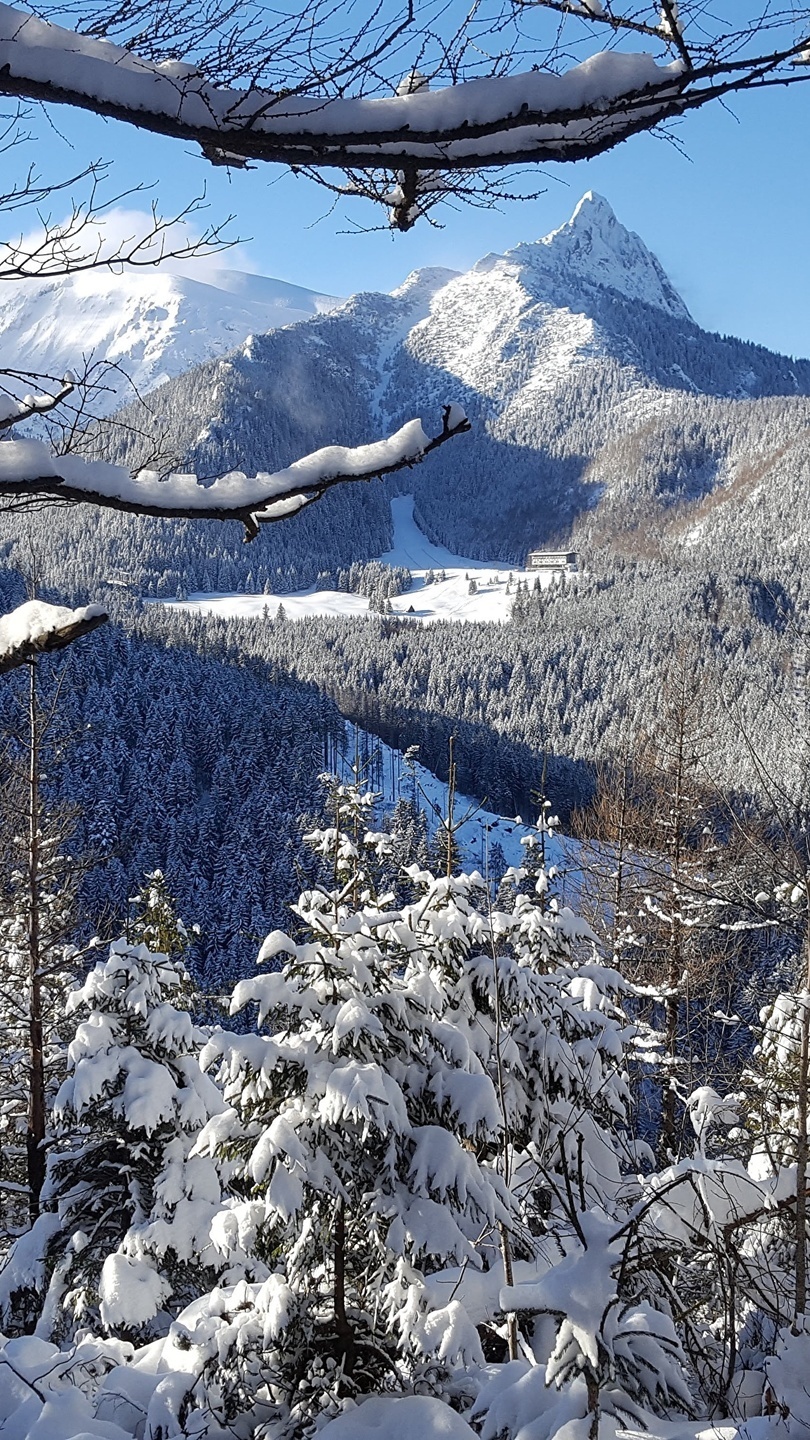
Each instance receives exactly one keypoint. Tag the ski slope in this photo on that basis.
(427, 600)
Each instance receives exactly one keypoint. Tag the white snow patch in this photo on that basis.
(426, 600)
(152, 324)
(130, 1291)
(406, 1417)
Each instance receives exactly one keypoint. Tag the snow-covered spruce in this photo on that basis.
(155, 922)
(367, 1124)
(361, 1121)
(429, 1080)
(127, 1206)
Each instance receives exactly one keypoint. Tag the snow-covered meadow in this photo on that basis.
(445, 586)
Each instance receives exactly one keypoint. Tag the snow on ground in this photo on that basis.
(404, 1417)
(426, 600)
(385, 773)
(151, 323)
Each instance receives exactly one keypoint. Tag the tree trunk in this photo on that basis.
(343, 1329)
(618, 846)
(592, 1388)
(451, 800)
(672, 1005)
(669, 1095)
(800, 1302)
(35, 1139)
(508, 1276)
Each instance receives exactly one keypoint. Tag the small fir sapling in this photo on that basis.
(155, 922)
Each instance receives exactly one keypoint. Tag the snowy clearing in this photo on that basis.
(387, 775)
(428, 598)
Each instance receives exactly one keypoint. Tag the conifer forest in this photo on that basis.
(404, 738)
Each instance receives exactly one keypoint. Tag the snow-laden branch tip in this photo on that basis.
(13, 411)
(36, 627)
(29, 471)
(527, 113)
(489, 121)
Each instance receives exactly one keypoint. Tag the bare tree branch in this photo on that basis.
(13, 412)
(80, 242)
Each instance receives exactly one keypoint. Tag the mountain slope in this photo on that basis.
(564, 352)
(153, 324)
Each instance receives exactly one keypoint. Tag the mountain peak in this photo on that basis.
(594, 248)
(594, 209)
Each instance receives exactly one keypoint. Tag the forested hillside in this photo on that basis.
(602, 415)
(191, 760)
(491, 1167)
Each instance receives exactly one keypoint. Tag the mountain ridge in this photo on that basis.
(152, 324)
(591, 409)
(594, 248)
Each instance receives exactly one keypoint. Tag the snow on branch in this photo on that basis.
(36, 627)
(13, 411)
(484, 122)
(29, 471)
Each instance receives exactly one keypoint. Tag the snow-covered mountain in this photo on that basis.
(597, 405)
(153, 324)
(594, 249)
(587, 382)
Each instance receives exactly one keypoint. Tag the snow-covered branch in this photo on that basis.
(492, 121)
(36, 627)
(29, 471)
(13, 411)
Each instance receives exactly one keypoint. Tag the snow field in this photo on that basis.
(389, 777)
(154, 325)
(427, 600)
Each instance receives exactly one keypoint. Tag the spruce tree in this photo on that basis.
(127, 1206)
(360, 1127)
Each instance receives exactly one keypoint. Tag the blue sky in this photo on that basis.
(729, 218)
